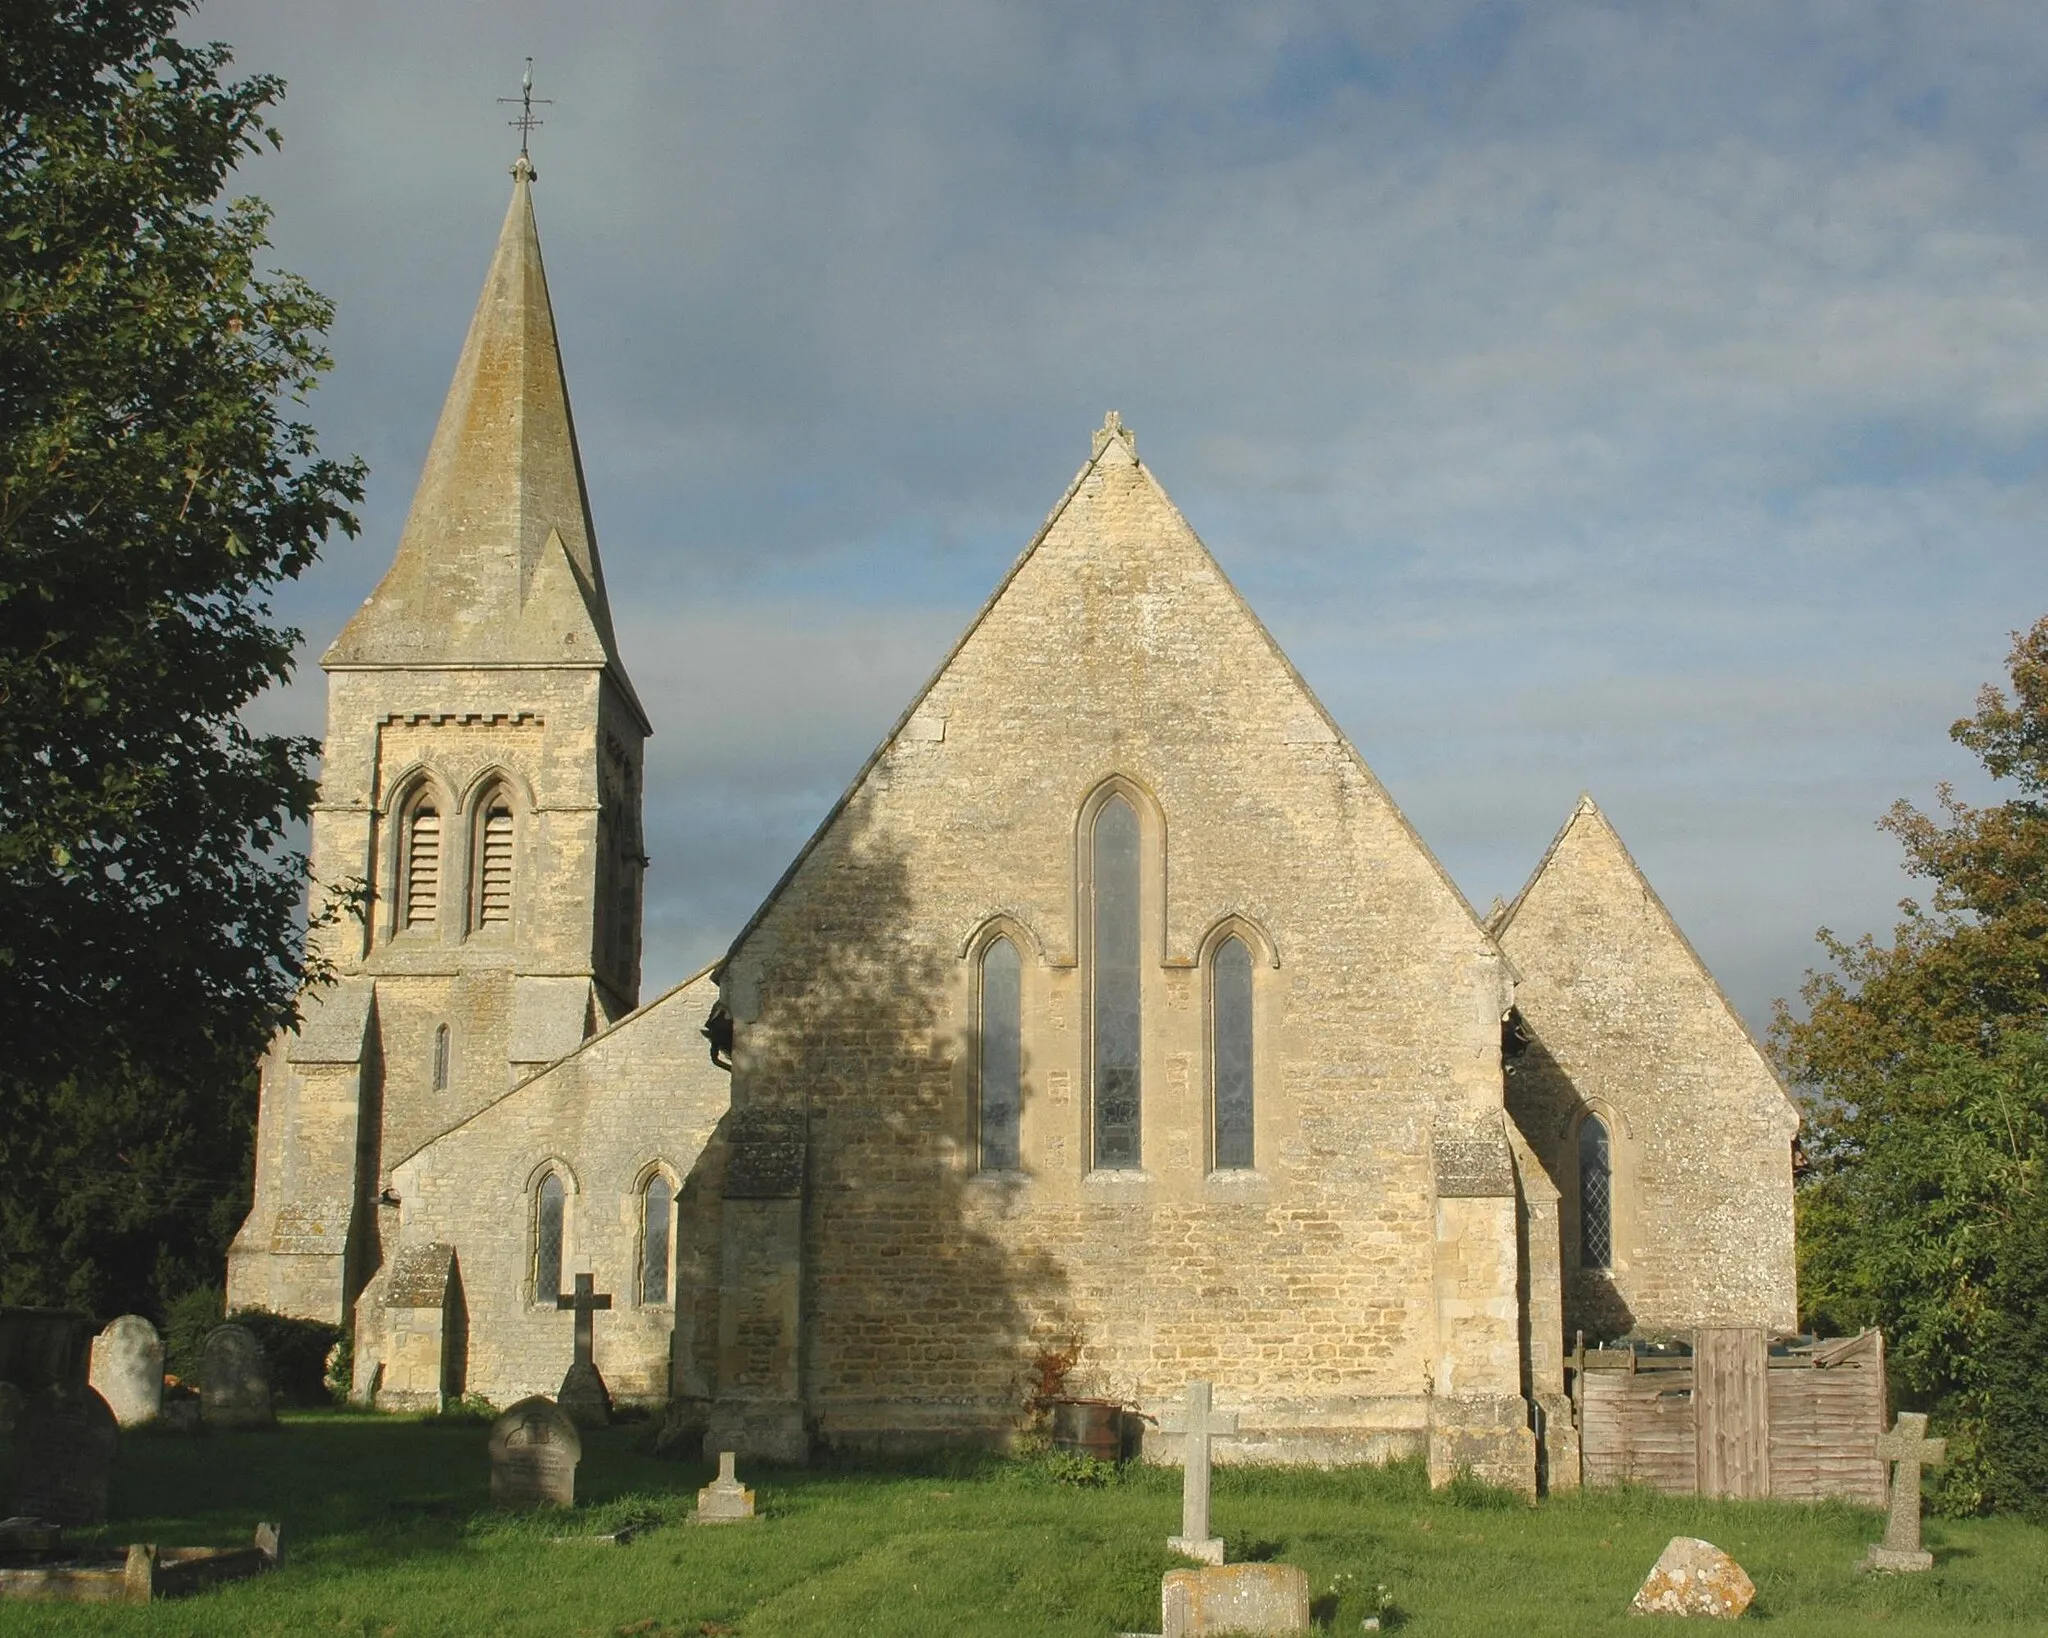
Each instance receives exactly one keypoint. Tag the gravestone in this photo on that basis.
(1694, 1577)
(128, 1369)
(63, 1450)
(1197, 1425)
(1242, 1598)
(725, 1500)
(234, 1380)
(534, 1451)
(583, 1394)
(1907, 1448)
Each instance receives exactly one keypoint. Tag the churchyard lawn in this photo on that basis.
(388, 1534)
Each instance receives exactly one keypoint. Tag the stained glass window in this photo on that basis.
(547, 1240)
(658, 1216)
(1002, 1054)
(1596, 1196)
(1116, 999)
(1230, 1015)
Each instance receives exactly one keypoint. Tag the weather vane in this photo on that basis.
(525, 123)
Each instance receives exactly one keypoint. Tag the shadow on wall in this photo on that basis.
(1549, 1108)
(917, 1308)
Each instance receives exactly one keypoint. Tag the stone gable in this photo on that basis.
(1625, 1021)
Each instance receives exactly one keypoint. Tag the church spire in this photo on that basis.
(497, 563)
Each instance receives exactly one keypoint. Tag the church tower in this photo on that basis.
(476, 847)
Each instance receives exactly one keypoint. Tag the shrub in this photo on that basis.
(297, 1349)
(186, 1323)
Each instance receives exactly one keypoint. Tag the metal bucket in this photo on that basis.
(1089, 1427)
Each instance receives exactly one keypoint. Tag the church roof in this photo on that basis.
(497, 563)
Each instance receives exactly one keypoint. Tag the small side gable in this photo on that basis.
(1588, 918)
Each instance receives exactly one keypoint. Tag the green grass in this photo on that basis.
(388, 1535)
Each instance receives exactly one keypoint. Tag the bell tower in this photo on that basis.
(480, 802)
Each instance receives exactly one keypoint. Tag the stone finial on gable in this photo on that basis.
(1113, 428)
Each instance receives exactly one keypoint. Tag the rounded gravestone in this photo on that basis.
(534, 1451)
(63, 1451)
(128, 1369)
(234, 1380)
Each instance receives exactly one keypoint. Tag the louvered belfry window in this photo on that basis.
(494, 871)
(422, 866)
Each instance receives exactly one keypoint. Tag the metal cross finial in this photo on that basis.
(525, 124)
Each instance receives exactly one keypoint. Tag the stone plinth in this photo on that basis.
(1235, 1598)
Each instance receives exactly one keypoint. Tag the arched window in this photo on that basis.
(441, 1058)
(419, 875)
(1114, 951)
(1230, 1053)
(1596, 1196)
(494, 861)
(657, 1237)
(550, 1202)
(1002, 1055)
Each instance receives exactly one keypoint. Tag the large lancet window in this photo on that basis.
(657, 1237)
(1114, 949)
(550, 1202)
(1002, 1055)
(494, 862)
(1596, 1195)
(1230, 1053)
(419, 873)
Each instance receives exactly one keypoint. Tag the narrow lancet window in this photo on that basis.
(657, 1235)
(1002, 1055)
(547, 1239)
(494, 864)
(1115, 951)
(1596, 1196)
(441, 1058)
(1230, 1022)
(420, 880)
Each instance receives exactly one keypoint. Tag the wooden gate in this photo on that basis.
(1734, 1419)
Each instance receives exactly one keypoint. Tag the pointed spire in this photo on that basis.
(498, 560)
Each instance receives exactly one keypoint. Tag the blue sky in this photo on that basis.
(1647, 400)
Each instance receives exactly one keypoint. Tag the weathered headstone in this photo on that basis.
(534, 1451)
(128, 1369)
(583, 1394)
(63, 1451)
(1240, 1598)
(234, 1380)
(1908, 1449)
(1197, 1425)
(725, 1500)
(1694, 1577)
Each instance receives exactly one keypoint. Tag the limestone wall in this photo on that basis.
(1119, 657)
(1625, 1022)
(640, 1097)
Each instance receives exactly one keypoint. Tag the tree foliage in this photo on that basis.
(155, 487)
(1923, 1067)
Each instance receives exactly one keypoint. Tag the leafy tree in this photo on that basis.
(154, 490)
(1923, 1064)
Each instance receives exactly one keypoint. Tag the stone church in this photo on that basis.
(1114, 1017)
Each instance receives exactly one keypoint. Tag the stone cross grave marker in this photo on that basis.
(1907, 1448)
(534, 1451)
(583, 1394)
(63, 1449)
(234, 1380)
(725, 1500)
(1197, 1425)
(128, 1369)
